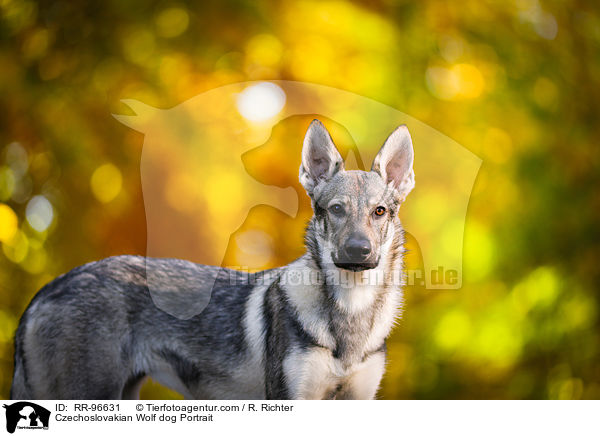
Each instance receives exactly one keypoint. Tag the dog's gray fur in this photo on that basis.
(313, 329)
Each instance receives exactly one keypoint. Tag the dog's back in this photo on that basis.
(96, 333)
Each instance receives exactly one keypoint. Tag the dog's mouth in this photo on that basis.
(355, 267)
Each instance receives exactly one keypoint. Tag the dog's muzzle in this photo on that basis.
(356, 255)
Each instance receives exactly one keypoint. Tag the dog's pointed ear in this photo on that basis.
(320, 159)
(394, 162)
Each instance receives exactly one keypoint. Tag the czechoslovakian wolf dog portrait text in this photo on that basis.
(313, 329)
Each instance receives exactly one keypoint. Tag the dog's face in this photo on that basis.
(355, 210)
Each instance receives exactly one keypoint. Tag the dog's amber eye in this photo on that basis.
(380, 211)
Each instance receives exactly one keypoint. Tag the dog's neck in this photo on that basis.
(349, 312)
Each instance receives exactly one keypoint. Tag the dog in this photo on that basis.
(313, 329)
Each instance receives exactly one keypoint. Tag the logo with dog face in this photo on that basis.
(26, 415)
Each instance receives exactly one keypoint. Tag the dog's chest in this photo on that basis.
(315, 373)
(345, 332)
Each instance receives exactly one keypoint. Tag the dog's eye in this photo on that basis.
(336, 209)
(380, 211)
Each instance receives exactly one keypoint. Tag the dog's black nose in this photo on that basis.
(357, 248)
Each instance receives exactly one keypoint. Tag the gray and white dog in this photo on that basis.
(313, 329)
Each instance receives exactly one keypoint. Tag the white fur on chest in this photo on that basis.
(315, 374)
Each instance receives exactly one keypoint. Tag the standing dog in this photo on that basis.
(313, 329)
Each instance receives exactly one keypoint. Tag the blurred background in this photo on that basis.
(516, 83)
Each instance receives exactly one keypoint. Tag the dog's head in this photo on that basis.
(355, 211)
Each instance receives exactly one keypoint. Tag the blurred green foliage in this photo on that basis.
(517, 83)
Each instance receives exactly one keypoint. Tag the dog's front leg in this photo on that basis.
(310, 374)
(363, 383)
(300, 375)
